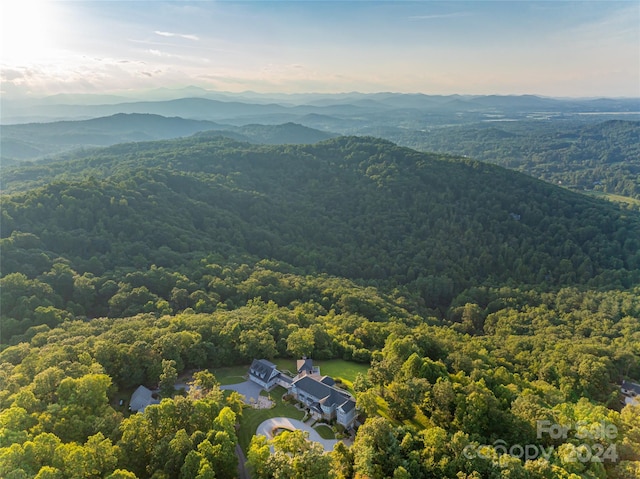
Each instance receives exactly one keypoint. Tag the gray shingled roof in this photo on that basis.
(327, 395)
(631, 387)
(333, 399)
(328, 380)
(141, 398)
(312, 387)
(348, 405)
(262, 369)
(304, 365)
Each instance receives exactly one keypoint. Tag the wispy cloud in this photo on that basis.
(437, 16)
(179, 35)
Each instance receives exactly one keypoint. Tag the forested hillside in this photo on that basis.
(483, 301)
(603, 156)
(354, 207)
(39, 140)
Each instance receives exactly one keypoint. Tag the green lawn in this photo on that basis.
(286, 364)
(612, 197)
(231, 374)
(345, 370)
(336, 368)
(252, 418)
(125, 396)
(325, 431)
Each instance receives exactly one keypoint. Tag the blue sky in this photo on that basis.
(551, 48)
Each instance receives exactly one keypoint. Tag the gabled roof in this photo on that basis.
(304, 364)
(347, 406)
(332, 399)
(326, 395)
(631, 387)
(316, 407)
(312, 387)
(328, 380)
(141, 398)
(263, 369)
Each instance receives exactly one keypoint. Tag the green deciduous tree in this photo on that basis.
(168, 377)
(300, 343)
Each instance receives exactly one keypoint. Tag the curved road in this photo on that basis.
(291, 424)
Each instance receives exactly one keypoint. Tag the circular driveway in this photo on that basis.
(269, 425)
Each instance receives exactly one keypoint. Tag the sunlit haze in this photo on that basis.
(547, 48)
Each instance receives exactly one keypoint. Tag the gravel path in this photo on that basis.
(243, 473)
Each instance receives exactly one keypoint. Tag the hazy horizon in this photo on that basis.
(555, 49)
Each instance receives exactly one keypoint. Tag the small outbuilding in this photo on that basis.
(630, 389)
(305, 366)
(141, 398)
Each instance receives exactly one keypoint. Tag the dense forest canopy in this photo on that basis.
(593, 156)
(483, 301)
(354, 207)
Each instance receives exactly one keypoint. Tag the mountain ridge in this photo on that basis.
(32, 141)
(360, 208)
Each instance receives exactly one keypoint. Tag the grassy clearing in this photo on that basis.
(252, 418)
(125, 396)
(336, 368)
(612, 197)
(420, 421)
(345, 370)
(231, 374)
(286, 364)
(383, 408)
(325, 431)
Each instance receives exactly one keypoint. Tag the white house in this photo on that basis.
(141, 398)
(324, 400)
(631, 392)
(346, 413)
(630, 389)
(264, 373)
(318, 393)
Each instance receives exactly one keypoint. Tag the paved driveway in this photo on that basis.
(248, 389)
(291, 424)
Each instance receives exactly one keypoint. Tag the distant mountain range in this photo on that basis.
(546, 137)
(40, 140)
(251, 107)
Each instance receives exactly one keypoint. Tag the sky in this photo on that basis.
(550, 48)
